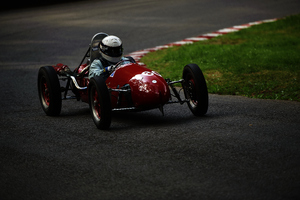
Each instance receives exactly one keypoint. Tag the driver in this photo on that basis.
(111, 51)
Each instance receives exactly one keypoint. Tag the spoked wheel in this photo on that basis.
(49, 91)
(100, 105)
(195, 89)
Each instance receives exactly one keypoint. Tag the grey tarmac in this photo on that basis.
(242, 149)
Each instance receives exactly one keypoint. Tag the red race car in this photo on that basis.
(130, 86)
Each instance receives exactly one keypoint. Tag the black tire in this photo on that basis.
(49, 91)
(195, 89)
(99, 101)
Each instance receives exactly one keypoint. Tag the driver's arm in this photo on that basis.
(96, 68)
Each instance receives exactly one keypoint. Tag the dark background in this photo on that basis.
(11, 5)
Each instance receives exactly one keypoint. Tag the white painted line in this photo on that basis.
(196, 39)
(160, 47)
(227, 30)
(211, 35)
(255, 23)
(242, 26)
(181, 43)
(269, 20)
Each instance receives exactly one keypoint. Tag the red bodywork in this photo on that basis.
(148, 89)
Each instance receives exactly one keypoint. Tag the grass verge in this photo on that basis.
(262, 61)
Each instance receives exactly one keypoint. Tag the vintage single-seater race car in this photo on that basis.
(130, 87)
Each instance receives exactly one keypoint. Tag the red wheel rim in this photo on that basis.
(192, 93)
(96, 104)
(45, 92)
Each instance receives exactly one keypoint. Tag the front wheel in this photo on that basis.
(99, 101)
(49, 91)
(195, 89)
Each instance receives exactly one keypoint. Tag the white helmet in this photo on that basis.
(111, 49)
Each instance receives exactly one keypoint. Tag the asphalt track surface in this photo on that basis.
(242, 149)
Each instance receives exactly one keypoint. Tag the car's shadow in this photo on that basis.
(174, 115)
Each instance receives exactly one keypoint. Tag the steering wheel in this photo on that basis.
(128, 59)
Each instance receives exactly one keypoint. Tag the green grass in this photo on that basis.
(260, 62)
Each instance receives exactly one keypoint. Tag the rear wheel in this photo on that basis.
(195, 89)
(99, 101)
(49, 91)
